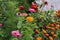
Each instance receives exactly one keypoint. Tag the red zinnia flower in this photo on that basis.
(21, 7)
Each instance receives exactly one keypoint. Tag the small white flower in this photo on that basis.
(39, 2)
(18, 13)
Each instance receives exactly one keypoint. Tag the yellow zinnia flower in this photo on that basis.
(29, 19)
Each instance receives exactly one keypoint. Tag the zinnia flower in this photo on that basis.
(46, 3)
(57, 14)
(18, 14)
(24, 14)
(21, 14)
(16, 33)
(29, 19)
(39, 38)
(0, 25)
(21, 7)
(34, 6)
(39, 2)
(32, 10)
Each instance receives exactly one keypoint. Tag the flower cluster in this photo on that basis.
(30, 22)
(51, 34)
(29, 18)
(32, 9)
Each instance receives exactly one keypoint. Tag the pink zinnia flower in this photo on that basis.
(21, 14)
(16, 33)
(0, 25)
(24, 14)
(32, 10)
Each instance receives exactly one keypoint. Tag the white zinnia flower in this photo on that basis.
(39, 2)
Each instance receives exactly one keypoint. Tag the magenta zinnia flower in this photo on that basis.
(16, 33)
(32, 10)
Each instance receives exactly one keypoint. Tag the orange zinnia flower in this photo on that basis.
(44, 31)
(55, 35)
(57, 14)
(50, 38)
(29, 19)
(52, 25)
(47, 26)
(47, 34)
(39, 38)
(52, 28)
(37, 31)
(52, 33)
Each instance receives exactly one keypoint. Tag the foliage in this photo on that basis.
(10, 21)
